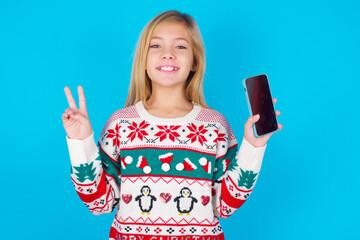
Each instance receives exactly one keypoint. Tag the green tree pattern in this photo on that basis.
(98, 158)
(85, 171)
(247, 179)
(232, 165)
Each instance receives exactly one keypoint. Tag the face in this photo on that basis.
(185, 192)
(145, 190)
(170, 56)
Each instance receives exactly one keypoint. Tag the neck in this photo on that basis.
(168, 98)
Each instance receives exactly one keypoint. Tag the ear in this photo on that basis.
(194, 67)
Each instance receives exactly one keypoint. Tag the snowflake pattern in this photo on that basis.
(114, 133)
(138, 131)
(197, 133)
(168, 131)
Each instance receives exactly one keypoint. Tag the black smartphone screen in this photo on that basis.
(258, 91)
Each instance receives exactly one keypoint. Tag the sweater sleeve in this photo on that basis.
(95, 170)
(235, 172)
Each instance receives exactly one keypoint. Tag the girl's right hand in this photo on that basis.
(76, 121)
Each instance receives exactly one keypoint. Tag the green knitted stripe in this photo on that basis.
(179, 155)
(230, 154)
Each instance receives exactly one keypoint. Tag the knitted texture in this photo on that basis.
(168, 178)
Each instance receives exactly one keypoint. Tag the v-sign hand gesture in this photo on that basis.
(76, 121)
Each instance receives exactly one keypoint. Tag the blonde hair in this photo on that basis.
(140, 83)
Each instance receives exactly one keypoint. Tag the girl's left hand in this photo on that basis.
(249, 131)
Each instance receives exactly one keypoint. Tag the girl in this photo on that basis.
(167, 161)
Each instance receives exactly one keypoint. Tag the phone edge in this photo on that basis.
(249, 105)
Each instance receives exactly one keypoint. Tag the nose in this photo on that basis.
(168, 54)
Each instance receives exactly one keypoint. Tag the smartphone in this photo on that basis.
(260, 101)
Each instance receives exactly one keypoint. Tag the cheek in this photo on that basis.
(190, 59)
(148, 62)
(150, 59)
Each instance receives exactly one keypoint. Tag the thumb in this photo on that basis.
(253, 119)
(65, 117)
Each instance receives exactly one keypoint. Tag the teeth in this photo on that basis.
(168, 68)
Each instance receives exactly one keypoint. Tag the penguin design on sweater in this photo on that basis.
(145, 200)
(185, 202)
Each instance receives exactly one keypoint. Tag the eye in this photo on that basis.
(181, 47)
(154, 46)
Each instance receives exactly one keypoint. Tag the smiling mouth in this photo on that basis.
(167, 68)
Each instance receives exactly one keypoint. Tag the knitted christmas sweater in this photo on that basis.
(169, 178)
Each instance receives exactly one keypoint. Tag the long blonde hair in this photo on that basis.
(140, 83)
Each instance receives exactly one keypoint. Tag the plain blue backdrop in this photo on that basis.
(308, 186)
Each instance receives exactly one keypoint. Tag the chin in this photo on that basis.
(167, 84)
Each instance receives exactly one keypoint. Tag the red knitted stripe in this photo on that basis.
(169, 148)
(122, 236)
(232, 181)
(228, 198)
(101, 190)
(82, 184)
(146, 177)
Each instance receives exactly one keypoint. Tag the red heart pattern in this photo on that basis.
(126, 198)
(165, 197)
(205, 200)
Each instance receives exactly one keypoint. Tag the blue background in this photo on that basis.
(308, 186)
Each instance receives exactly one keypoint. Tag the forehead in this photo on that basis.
(171, 31)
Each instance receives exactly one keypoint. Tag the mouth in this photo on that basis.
(167, 68)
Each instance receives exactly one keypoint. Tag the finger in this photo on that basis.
(274, 100)
(280, 126)
(70, 98)
(253, 119)
(277, 113)
(79, 117)
(65, 116)
(70, 111)
(82, 101)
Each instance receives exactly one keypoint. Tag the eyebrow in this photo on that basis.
(179, 38)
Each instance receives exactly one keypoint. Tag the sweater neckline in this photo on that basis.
(189, 117)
